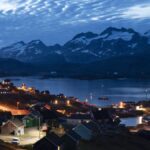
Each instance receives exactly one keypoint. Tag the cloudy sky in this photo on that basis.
(56, 21)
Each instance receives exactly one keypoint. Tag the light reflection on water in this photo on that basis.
(133, 121)
(115, 90)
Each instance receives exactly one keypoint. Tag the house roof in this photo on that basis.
(34, 114)
(102, 114)
(50, 114)
(93, 126)
(47, 141)
(73, 135)
(80, 116)
(53, 138)
(21, 112)
(16, 122)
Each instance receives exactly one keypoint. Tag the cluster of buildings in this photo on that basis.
(79, 127)
(64, 121)
(7, 87)
(62, 131)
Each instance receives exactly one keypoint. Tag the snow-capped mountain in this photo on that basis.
(110, 54)
(23, 51)
(83, 48)
(112, 42)
(28, 52)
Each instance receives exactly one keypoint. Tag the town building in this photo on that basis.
(31, 120)
(84, 132)
(49, 142)
(70, 140)
(14, 127)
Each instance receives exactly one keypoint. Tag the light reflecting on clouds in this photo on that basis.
(47, 19)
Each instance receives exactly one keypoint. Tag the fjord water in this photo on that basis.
(115, 90)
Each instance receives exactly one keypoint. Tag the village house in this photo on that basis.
(32, 120)
(14, 127)
(49, 142)
(84, 132)
(70, 140)
(87, 131)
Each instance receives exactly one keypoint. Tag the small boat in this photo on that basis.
(104, 98)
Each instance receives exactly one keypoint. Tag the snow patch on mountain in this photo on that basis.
(58, 52)
(133, 45)
(83, 40)
(118, 35)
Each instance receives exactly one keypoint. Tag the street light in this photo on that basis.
(18, 104)
(68, 102)
(56, 102)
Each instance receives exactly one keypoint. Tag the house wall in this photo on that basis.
(19, 131)
(29, 122)
(8, 128)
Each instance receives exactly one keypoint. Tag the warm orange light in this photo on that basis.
(61, 111)
(4, 108)
(47, 107)
(121, 105)
(13, 110)
(68, 102)
(56, 102)
(140, 108)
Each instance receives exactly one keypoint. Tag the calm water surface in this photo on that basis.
(115, 90)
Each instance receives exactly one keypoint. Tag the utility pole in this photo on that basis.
(91, 97)
(39, 127)
(91, 113)
(18, 104)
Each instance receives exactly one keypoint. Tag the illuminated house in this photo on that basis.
(14, 127)
(26, 89)
(6, 82)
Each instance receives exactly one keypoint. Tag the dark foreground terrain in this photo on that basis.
(120, 142)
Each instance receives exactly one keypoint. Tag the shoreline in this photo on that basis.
(43, 77)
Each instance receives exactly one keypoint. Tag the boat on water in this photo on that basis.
(103, 98)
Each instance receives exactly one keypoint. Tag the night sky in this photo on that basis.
(56, 21)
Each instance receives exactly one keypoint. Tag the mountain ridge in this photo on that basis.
(87, 50)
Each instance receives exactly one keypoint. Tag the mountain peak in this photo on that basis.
(20, 43)
(36, 42)
(109, 30)
(87, 35)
